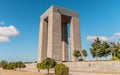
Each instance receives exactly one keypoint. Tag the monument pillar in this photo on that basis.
(42, 48)
(54, 36)
(75, 36)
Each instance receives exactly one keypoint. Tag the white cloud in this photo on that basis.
(102, 38)
(1, 22)
(114, 37)
(7, 32)
(4, 39)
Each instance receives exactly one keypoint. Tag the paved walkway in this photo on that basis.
(79, 73)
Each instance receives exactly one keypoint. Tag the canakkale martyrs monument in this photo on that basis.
(53, 38)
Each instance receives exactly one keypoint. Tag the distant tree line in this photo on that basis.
(101, 49)
(11, 65)
(105, 49)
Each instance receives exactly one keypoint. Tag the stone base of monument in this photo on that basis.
(91, 66)
(95, 66)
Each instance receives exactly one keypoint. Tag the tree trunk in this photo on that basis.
(38, 70)
(114, 54)
(96, 58)
(84, 58)
(106, 57)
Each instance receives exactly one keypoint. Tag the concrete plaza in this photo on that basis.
(83, 73)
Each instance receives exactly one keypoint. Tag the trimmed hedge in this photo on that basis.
(61, 69)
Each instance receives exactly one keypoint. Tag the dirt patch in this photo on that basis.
(11, 72)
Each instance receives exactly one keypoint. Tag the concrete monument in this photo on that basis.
(53, 38)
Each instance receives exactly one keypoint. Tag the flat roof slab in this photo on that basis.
(60, 10)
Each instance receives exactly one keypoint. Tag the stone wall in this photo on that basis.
(97, 66)
(31, 67)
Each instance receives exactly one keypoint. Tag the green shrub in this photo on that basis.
(115, 58)
(10, 67)
(76, 53)
(61, 69)
(20, 65)
(13, 65)
(3, 64)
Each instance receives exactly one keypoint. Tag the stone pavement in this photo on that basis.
(81, 73)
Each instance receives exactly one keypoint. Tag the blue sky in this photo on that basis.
(97, 18)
